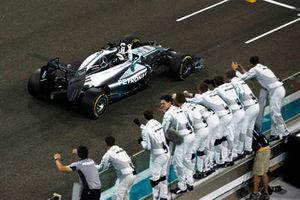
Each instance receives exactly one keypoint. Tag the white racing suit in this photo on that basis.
(251, 107)
(213, 123)
(176, 119)
(201, 133)
(276, 91)
(228, 94)
(122, 163)
(155, 141)
(213, 101)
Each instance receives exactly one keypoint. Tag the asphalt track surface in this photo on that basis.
(32, 131)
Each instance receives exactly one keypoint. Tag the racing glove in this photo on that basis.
(140, 140)
(137, 122)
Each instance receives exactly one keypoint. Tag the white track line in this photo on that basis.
(199, 11)
(276, 29)
(282, 4)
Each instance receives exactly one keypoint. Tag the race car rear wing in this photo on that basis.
(55, 64)
(75, 78)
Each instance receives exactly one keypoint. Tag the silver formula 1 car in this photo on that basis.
(109, 74)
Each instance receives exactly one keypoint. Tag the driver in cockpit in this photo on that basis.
(122, 54)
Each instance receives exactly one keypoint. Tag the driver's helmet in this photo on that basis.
(122, 48)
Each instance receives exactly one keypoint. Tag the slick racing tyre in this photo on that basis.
(94, 102)
(133, 40)
(33, 85)
(181, 66)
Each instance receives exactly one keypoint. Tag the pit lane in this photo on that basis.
(32, 130)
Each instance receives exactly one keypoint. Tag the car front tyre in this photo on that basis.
(181, 66)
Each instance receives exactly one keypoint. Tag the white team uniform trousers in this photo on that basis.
(182, 160)
(278, 127)
(251, 113)
(213, 122)
(238, 117)
(223, 152)
(201, 136)
(122, 187)
(158, 168)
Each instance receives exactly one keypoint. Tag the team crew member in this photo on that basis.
(213, 101)
(276, 93)
(122, 163)
(260, 166)
(201, 132)
(153, 139)
(213, 123)
(87, 171)
(229, 95)
(175, 118)
(251, 112)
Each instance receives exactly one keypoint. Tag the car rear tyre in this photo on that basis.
(133, 40)
(94, 103)
(33, 85)
(181, 66)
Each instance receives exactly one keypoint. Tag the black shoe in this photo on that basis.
(198, 175)
(273, 138)
(285, 139)
(163, 199)
(209, 172)
(227, 164)
(177, 190)
(189, 187)
(276, 188)
(247, 153)
(236, 158)
(221, 165)
(241, 156)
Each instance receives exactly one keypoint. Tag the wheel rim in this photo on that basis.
(185, 67)
(100, 104)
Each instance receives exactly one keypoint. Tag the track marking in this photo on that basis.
(199, 11)
(282, 5)
(271, 31)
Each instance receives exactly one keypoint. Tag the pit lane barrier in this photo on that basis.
(223, 180)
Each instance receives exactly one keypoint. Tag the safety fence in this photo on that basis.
(142, 189)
